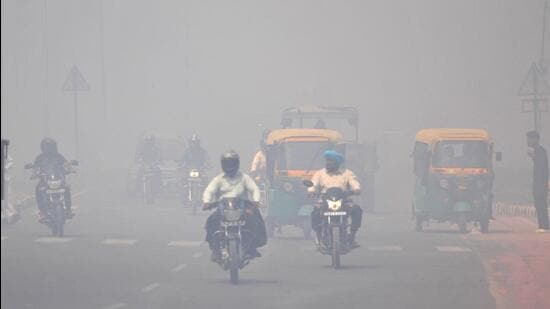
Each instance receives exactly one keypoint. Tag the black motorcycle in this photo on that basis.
(232, 236)
(335, 230)
(55, 187)
(194, 188)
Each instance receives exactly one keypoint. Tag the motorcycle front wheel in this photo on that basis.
(58, 220)
(234, 262)
(336, 247)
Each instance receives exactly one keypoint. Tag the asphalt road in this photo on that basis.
(119, 253)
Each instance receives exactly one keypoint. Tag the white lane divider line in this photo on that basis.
(4, 237)
(150, 287)
(385, 248)
(179, 268)
(119, 241)
(453, 249)
(115, 306)
(53, 239)
(197, 255)
(185, 243)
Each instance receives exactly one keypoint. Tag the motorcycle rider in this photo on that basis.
(259, 163)
(148, 154)
(234, 184)
(335, 176)
(195, 156)
(49, 159)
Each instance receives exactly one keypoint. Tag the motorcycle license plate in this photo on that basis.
(335, 213)
(229, 223)
(55, 191)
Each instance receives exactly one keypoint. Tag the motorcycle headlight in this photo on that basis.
(287, 186)
(334, 205)
(444, 183)
(194, 174)
(54, 184)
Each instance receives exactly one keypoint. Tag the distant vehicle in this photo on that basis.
(171, 151)
(453, 171)
(194, 185)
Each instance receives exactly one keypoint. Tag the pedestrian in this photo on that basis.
(540, 178)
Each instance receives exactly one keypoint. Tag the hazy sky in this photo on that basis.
(220, 68)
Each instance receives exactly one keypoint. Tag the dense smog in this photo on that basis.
(275, 154)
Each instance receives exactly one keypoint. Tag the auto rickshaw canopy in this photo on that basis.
(303, 135)
(431, 136)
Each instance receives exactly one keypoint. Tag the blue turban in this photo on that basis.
(334, 155)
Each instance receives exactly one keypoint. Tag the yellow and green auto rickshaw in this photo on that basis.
(453, 171)
(294, 155)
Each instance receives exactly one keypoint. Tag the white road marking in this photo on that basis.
(4, 237)
(119, 241)
(185, 243)
(150, 287)
(197, 255)
(453, 249)
(53, 239)
(115, 306)
(385, 248)
(178, 268)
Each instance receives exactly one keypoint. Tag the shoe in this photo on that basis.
(541, 231)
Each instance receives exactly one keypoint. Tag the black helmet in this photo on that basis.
(230, 163)
(48, 145)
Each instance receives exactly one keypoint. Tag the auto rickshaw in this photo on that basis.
(294, 155)
(453, 171)
(361, 156)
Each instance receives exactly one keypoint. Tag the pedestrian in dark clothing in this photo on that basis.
(540, 178)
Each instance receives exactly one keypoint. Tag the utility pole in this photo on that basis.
(542, 60)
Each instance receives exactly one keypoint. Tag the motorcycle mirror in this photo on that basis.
(308, 183)
(74, 162)
(28, 166)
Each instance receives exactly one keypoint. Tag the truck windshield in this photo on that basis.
(304, 155)
(461, 154)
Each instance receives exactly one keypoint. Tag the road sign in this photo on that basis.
(534, 83)
(75, 81)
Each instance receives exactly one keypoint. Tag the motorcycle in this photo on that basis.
(194, 189)
(232, 236)
(55, 187)
(335, 232)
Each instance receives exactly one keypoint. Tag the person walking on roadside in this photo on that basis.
(540, 179)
